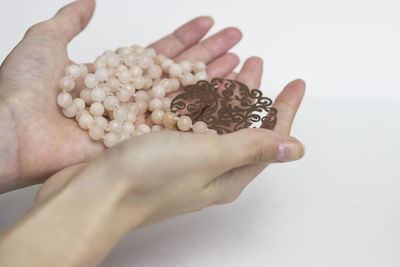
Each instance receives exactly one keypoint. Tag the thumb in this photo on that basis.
(68, 22)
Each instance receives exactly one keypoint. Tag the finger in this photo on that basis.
(254, 146)
(223, 65)
(184, 37)
(212, 47)
(254, 149)
(251, 72)
(73, 18)
(231, 76)
(287, 104)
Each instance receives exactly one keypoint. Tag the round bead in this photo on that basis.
(110, 139)
(157, 116)
(148, 82)
(133, 107)
(115, 126)
(142, 106)
(97, 94)
(101, 122)
(124, 76)
(175, 70)
(80, 113)
(166, 104)
(128, 127)
(112, 60)
(166, 64)
(142, 96)
(80, 104)
(175, 84)
(131, 88)
(73, 71)
(122, 51)
(184, 123)
(212, 132)
(158, 91)
(131, 117)
(201, 76)
(140, 82)
(169, 119)
(187, 79)
(154, 104)
(95, 132)
(64, 99)
(129, 59)
(151, 52)
(199, 127)
(67, 83)
(70, 111)
(101, 74)
(136, 71)
(110, 102)
(123, 95)
(187, 66)
(124, 136)
(145, 62)
(86, 95)
(144, 128)
(91, 81)
(199, 66)
(96, 109)
(113, 84)
(83, 70)
(155, 72)
(120, 114)
(85, 120)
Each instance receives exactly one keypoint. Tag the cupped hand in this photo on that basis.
(37, 140)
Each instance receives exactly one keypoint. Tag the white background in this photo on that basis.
(340, 205)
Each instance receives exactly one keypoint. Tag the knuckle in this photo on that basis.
(261, 149)
(38, 27)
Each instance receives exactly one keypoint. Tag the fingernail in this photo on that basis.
(290, 150)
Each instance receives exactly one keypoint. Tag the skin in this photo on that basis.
(94, 197)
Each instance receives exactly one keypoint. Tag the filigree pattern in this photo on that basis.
(225, 105)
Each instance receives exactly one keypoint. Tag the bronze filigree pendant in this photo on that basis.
(225, 105)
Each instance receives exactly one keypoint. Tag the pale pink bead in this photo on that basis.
(184, 123)
(138, 50)
(161, 58)
(67, 83)
(211, 132)
(131, 117)
(115, 126)
(199, 127)
(154, 104)
(97, 94)
(166, 104)
(124, 76)
(201, 76)
(129, 59)
(155, 72)
(91, 81)
(142, 107)
(123, 51)
(96, 109)
(99, 64)
(158, 91)
(157, 116)
(110, 139)
(85, 120)
(167, 85)
(70, 111)
(80, 113)
(144, 128)
(169, 119)
(120, 68)
(80, 104)
(124, 136)
(151, 52)
(101, 122)
(95, 132)
(64, 99)
(107, 52)
(85, 94)
(112, 60)
(136, 71)
(166, 64)
(131, 88)
(175, 70)
(140, 82)
(199, 66)
(101, 74)
(148, 82)
(187, 79)
(137, 133)
(123, 95)
(156, 128)
(73, 71)
(186, 66)
(120, 114)
(133, 107)
(142, 96)
(113, 84)
(111, 102)
(128, 127)
(145, 62)
(83, 70)
(175, 84)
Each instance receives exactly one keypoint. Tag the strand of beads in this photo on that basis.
(124, 84)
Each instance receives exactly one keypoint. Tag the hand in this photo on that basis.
(37, 140)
